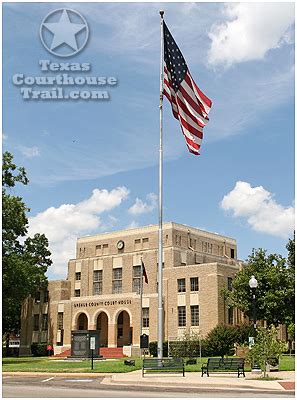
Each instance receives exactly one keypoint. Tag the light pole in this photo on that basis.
(253, 283)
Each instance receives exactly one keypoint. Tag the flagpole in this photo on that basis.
(160, 231)
(141, 291)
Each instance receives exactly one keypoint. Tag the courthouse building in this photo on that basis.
(101, 291)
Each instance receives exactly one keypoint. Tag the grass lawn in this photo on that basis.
(287, 363)
(45, 364)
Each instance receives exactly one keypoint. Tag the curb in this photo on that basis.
(213, 388)
(59, 374)
(192, 386)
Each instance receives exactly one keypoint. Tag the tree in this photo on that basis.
(275, 294)
(221, 339)
(291, 252)
(291, 335)
(266, 347)
(24, 261)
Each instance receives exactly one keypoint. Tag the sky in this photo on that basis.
(93, 164)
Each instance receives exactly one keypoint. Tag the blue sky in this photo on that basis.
(93, 165)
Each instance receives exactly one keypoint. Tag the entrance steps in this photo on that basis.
(111, 352)
(63, 354)
(105, 352)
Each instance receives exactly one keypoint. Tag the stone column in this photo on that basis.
(112, 335)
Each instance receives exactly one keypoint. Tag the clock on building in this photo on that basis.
(120, 245)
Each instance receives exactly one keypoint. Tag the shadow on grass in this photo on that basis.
(20, 360)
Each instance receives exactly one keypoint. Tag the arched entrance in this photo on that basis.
(82, 322)
(124, 331)
(102, 327)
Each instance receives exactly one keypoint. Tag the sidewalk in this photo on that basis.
(194, 380)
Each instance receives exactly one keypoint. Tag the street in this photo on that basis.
(51, 387)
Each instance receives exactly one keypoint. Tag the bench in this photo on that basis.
(223, 365)
(163, 365)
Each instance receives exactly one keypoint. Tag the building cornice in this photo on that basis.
(154, 228)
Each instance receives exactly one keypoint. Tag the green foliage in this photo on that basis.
(243, 332)
(39, 349)
(291, 331)
(291, 252)
(24, 262)
(153, 349)
(9, 178)
(266, 346)
(221, 339)
(275, 294)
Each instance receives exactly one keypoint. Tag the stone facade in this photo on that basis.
(102, 288)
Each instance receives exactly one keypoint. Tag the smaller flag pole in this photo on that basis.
(141, 291)
(160, 231)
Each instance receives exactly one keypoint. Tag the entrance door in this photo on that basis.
(102, 327)
(82, 322)
(123, 329)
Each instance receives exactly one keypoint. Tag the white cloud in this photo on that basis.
(64, 224)
(4, 137)
(263, 213)
(29, 151)
(141, 207)
(252, 30)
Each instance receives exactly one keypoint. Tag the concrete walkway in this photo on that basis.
(194, 380)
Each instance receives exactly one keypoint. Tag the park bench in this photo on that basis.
(223, 365)
(163, 365)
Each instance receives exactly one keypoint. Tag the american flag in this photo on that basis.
(189, 105)
(144, 272)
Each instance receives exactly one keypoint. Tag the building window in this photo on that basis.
(77, 276)
(45, 296)
(145, 318)
(98, 250)
(145, 242)
(166, 239)
(36, 322)
(194, 284)
(229, 283)
(137, 244)
(136, 279)
(209, 248)
(60, 321)
(97, 282)
(181, 285)
(232, 253)
(37, 297)
(194, 315)
(117, 280)
(221, 250)
(44, 322)
(105, 248)
(182, 320)
(178, 240)
(77, 293)
(230, 316)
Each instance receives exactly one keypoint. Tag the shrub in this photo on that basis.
(153, 349)
(189, 346)
(221, 340)
(243, 332)
(39, 349)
